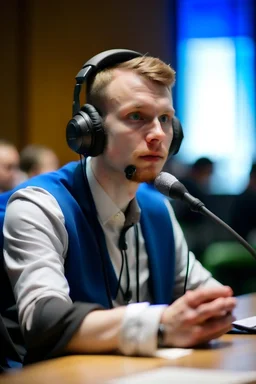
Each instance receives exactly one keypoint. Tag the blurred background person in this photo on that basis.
(9, 165)
(243, 209)
(197, 180)
(36, 159)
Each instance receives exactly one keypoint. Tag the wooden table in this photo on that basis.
(230, 352)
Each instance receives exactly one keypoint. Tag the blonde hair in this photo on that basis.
(149, 67)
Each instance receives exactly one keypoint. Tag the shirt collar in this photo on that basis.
(108, 211)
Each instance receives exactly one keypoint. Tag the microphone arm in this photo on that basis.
(168, 185)
(216, 219)
(197, 206)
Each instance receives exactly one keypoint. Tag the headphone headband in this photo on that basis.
(104, 60)
(96, 64)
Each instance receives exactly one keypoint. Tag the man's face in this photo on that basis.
(138, 125)
(9, 167)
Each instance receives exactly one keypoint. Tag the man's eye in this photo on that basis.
(164, 119)
(135, 116)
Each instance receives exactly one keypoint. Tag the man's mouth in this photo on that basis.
(153, 158)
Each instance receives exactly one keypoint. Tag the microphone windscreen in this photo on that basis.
(164, 182)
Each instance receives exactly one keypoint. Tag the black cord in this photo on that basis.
(137, 263)
(120, 275)
(127, 295)
(186, 277)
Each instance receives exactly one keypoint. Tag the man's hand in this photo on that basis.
(198, 316)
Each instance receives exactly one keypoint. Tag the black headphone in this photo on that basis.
(85, 133)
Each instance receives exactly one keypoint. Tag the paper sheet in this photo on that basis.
(172, 353)
(176, 375)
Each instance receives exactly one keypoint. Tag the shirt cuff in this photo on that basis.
(138, 334)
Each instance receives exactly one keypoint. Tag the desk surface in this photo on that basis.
(230, 352)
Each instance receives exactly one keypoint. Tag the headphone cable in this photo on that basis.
(120, 275)
(136, 230)
(186, 277)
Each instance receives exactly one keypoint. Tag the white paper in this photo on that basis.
(172, 353)
(176, 375)
(249, 322)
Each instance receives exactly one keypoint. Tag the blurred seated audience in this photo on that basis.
(9, 165)
(36, 159)
(197, 181)
(243, 210)
(176, 168)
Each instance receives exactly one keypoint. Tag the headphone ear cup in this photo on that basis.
(85, 134)
(178, 136)
(98, 139)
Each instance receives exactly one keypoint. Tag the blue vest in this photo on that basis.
(87, 247)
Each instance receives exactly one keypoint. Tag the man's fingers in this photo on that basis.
(217, 308)
(182, 314)
(204, 295)
(211, 329)
(190, 336)
(199, 316)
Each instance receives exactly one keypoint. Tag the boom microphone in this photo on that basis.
(169, 186)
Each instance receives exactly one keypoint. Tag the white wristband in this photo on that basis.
(138, 334)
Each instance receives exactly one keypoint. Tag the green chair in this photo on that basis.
(231, 264)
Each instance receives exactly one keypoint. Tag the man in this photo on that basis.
(36, 159)
(9, 165)
(87, 248)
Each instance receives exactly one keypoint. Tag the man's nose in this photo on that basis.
(155, 130)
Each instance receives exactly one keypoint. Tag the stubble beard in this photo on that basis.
(144, 176)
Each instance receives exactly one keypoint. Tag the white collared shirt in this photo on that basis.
(45, 229)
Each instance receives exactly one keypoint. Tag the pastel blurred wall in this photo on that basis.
(45, 43)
